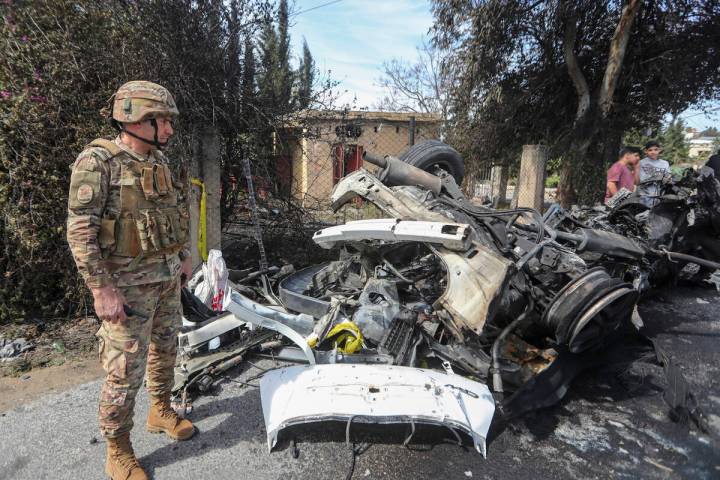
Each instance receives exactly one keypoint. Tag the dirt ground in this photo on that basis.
(64, 356)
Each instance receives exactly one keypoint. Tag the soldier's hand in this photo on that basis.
(185, 271)
(109, 304)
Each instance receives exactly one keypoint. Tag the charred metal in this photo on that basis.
(458, 299)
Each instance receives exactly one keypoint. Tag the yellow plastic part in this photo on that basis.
(346, 336)
(202, 227)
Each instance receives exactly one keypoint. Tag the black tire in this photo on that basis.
(433, 153)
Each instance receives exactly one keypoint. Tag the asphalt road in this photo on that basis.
(608, 426)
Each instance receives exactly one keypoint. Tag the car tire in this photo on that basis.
(434, 153)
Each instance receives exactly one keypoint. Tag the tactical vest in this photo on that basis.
(150, 221)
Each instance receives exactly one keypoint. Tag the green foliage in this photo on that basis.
(552, 181)
(306, 77)
(276, 78)
(675, 148)
(62, 60)
(671, 137)
(511, 84)
(48, 111)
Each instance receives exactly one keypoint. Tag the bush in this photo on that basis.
(552, 181)
(62, 61)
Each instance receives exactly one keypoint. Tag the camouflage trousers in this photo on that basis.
(126, 349)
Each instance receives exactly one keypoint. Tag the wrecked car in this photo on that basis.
(680, 226)
(429, 315)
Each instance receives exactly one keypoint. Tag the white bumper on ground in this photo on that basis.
(376, 393)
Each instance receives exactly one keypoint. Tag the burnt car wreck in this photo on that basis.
(444, 312)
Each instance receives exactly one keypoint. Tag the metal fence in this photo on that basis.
(310, 159)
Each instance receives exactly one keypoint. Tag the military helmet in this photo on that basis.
(139, 100)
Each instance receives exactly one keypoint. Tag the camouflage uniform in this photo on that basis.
(127, 229)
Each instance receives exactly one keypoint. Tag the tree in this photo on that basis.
(276, 77)
(285, 74)
(248, 86)
(56, 74)
(417, 87)
(572, 75)
(306, 77)
(710, 132)
(675, 147)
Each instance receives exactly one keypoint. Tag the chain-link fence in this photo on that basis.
(293, 186)
(330, 147)
(309, 157)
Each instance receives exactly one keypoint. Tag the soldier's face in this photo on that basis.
(165, 128)
(145, 129)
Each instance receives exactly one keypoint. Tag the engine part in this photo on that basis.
(496, 372)
(475, 281)
(398, 337)
(396, 172)
(379, 303)
(608, 243)
(246, 314)
(588, 308)
(292, 290)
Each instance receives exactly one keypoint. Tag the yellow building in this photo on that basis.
(323, 146)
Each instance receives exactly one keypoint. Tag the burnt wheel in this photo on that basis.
(433, 154)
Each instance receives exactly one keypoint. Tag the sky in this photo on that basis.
(352, 38)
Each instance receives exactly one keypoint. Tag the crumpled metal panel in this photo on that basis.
(454, 236)
(475, 282)
(237, 307)
(475, 277)
(374, 393)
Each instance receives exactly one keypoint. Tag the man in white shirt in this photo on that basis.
(651, 168)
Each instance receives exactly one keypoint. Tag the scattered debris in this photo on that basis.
(454, 299)
(59, 346)
(11, 349)
(658, 465)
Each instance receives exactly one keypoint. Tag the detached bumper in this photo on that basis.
(384, 393)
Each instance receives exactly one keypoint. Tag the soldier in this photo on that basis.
(128, 233)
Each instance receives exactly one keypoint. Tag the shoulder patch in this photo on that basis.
(84, 189)
(85, 193)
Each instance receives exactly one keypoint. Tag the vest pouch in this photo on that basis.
(106, 237)
(168, 178)
(127, 242)
(182, 233)
(164, 229)
(160, 179)
(143, 235)
(148, 183)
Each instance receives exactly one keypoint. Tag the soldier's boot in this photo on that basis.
(121, 463)
(162, 418)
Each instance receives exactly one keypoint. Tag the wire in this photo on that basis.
(314, 8)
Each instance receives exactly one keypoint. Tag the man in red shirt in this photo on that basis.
(624, 173)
